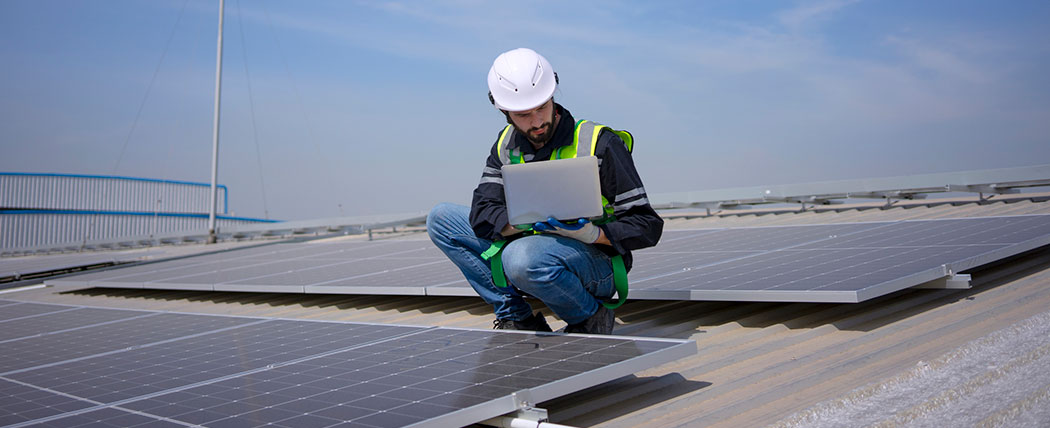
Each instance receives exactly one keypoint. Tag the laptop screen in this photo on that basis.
(566, 189)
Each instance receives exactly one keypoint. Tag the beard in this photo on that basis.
(545, 134)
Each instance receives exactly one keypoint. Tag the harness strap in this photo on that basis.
(620, 281)
(494, 256)
(619, 269)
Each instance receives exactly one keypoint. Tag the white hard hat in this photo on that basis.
(521, 80)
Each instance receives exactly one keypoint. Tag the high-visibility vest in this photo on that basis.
(587, 132)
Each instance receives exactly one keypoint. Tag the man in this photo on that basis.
(568, 267)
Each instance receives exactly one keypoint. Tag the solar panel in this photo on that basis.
(848, 262)
(15, 270)
(853, 264)
(187, 369)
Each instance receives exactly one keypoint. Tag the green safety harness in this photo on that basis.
(587, 131)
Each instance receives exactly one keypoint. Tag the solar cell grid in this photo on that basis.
(846, 262)
(764, 238)
(109, 418)
(840, 270)
(293, 373)
(185, 266)
(347, 269)
(261, 271)
(22, 310)
(245, 271)
(655, 265)
(351, 250)
(21, 403)
(431, 273)
(59, 321)
(23, 354)
(394, 383)
(179, 363)
(995, 231)
(332, 272)
(314, 251)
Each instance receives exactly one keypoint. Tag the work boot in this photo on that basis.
(535, 322)
(502, 324)
(601, 322)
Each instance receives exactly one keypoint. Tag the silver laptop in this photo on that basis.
(566, 189)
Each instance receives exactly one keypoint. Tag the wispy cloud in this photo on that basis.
(940, 60)
(808, 12)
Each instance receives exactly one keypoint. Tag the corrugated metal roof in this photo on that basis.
(758, 363)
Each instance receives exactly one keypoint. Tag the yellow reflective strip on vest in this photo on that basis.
(576, 135)
(594, 136)
(501, 146)
(583, 128)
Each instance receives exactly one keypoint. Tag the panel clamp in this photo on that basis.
(951, 281)
(526, 416)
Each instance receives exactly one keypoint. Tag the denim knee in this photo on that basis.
(526, 267)
(439, 213)
(439, 216)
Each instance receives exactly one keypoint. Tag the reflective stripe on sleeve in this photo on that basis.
(630, 194)
(491, 175)
(628, 205)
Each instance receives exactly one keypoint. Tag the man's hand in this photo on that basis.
(581, 230)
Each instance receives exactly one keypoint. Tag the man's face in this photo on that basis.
(537, 124)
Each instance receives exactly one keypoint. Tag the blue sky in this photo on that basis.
(347, 107)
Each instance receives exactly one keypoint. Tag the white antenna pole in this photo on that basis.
(215, 133)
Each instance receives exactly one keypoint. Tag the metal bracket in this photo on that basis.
(951, 281)
(526, 415)
(982, 189)
(529, 416)
(523, 400)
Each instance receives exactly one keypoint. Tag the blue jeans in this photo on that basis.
(570, 277)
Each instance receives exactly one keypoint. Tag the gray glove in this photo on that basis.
(581, 230)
